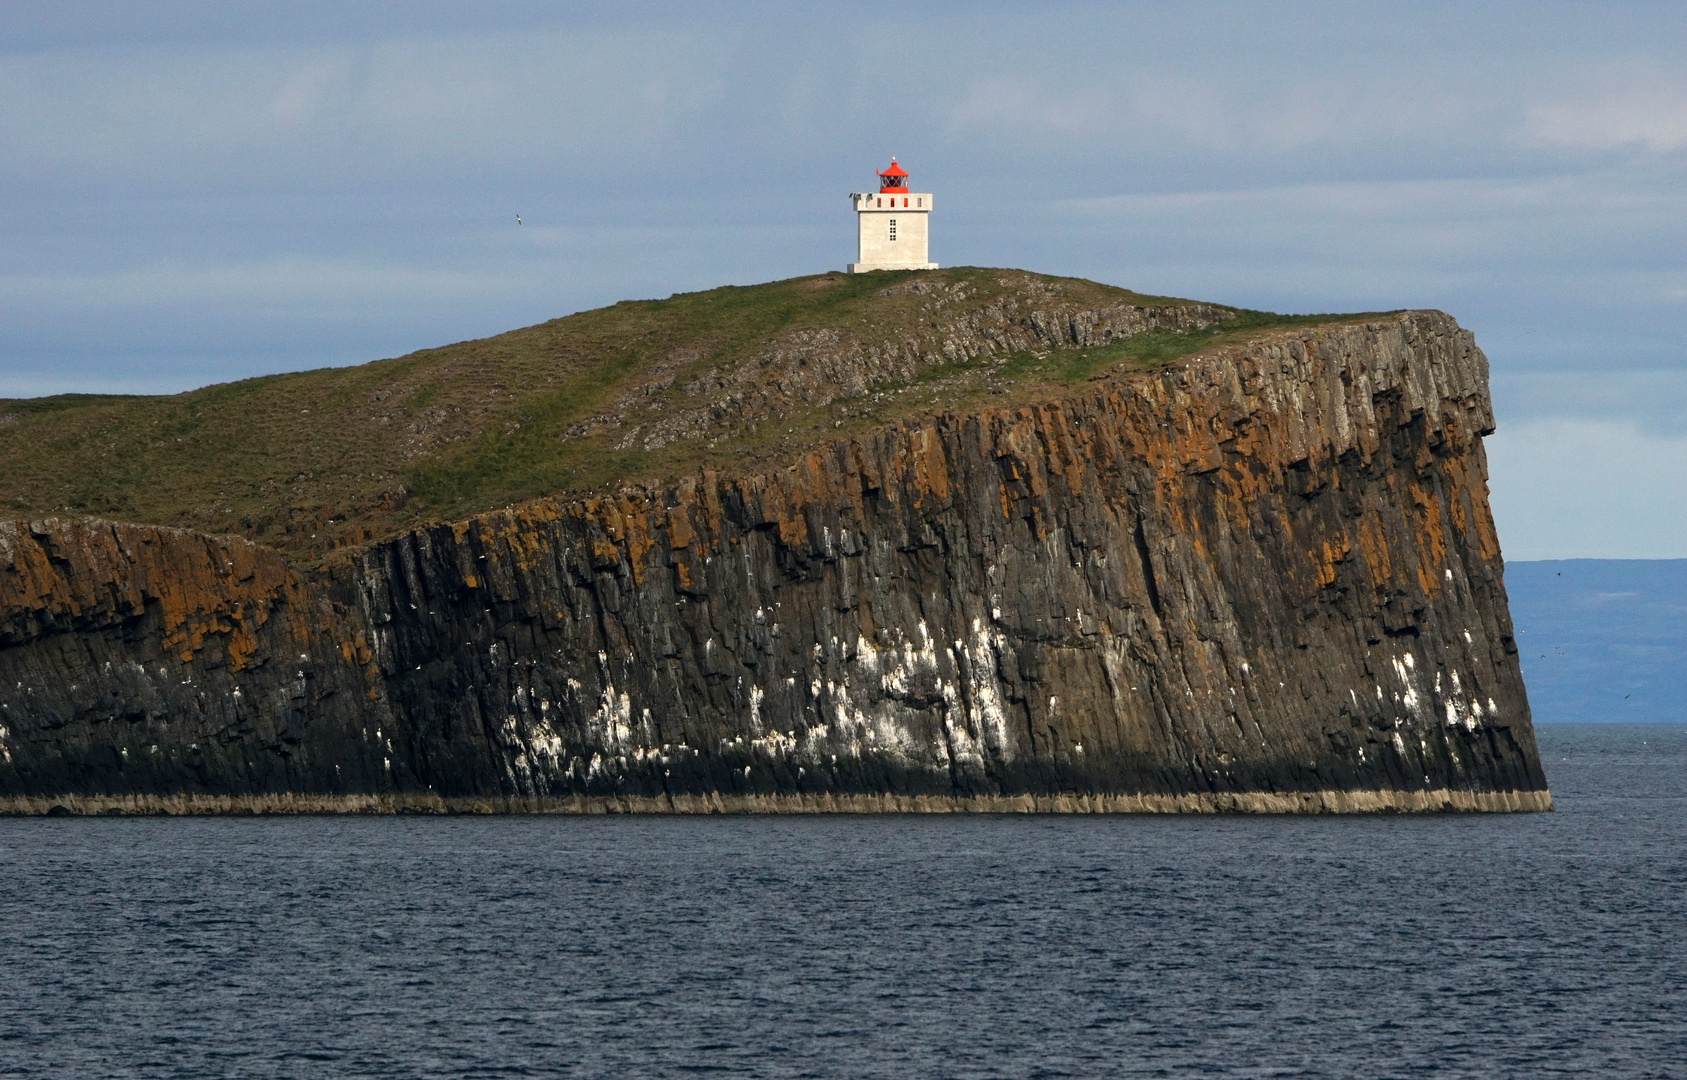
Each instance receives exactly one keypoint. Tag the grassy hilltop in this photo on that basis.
(642, 390)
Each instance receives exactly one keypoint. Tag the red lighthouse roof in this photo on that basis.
(893, 178)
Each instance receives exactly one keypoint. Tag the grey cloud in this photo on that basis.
(1653, 403)
(331, 114)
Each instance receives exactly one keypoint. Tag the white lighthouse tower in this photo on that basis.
(891, 225)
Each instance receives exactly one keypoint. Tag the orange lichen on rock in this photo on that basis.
(1333, 551)
(1373, 548)
(678, 519)
(104, 573)
(930, 472)
(1431, 539)
(636, 535)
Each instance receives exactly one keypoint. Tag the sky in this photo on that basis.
(195, 192)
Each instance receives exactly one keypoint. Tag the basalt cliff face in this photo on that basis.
(1263, 579)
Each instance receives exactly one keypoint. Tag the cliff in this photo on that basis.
(1261, 577)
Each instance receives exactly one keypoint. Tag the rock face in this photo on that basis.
(1266, 579)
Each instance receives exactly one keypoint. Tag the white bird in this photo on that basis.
(518, 219)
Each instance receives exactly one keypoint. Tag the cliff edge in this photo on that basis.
(1257, 576)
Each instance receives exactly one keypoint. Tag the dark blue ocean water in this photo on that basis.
(1527, 945)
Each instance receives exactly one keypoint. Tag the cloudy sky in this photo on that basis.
(193, 192)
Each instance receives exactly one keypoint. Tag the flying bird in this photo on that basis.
(518, 219)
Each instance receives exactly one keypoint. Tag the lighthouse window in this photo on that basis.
(893, 228)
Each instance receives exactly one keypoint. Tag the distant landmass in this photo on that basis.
(1602, 640)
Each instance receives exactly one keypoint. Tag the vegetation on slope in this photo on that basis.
(641, 390)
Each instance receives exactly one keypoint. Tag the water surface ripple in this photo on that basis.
(1547, 944)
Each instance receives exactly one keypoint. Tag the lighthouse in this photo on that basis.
(890, 225)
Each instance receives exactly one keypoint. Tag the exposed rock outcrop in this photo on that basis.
(808, 368)
(1266, 579)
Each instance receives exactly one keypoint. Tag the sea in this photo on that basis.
(1519, 945)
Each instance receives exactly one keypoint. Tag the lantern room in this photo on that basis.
(893, 179)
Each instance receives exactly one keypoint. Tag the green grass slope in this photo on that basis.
(641, 390)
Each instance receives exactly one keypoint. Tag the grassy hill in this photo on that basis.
(641, 390)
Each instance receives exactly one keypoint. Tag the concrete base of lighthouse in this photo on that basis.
(863, 268)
